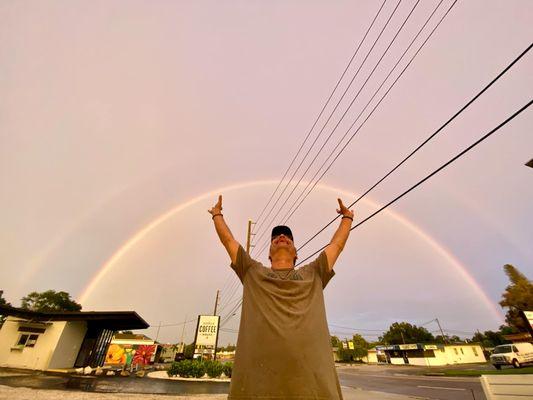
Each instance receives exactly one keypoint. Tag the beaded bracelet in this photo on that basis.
(216, 215)
(347, 216)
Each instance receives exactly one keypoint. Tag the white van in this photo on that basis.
(515, 354)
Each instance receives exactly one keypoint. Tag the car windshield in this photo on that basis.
(502, 349)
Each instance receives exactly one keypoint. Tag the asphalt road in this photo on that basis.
(428, 387)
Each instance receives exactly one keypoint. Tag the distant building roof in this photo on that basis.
(519, 337)
(131, 336)
(113, 320)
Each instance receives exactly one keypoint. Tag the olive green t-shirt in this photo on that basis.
(284, 347)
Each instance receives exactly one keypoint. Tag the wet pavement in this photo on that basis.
(33, 385)
(114, 384)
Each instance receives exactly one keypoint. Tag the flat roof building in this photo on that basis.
(60, 340)
(427, 354)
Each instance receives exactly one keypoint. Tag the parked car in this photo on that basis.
(515, 354)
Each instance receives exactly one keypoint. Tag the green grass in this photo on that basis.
(503, 371)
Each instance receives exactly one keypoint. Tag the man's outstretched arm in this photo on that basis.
(341, 235)
(224, 234)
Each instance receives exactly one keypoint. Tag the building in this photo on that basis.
(427, 354)
(60, 340)
(126, 349)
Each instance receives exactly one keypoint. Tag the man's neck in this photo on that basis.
(281, 262)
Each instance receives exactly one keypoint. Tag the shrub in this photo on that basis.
(173, 369)
(182, 368)
(227, 368)
(213, 368)
(197, 369)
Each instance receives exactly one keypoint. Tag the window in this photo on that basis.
(456, 352)
(27, 340)
(475, 351)
(462, 352)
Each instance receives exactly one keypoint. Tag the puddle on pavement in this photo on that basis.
(114, 384)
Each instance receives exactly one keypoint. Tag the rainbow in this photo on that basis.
(143, 232)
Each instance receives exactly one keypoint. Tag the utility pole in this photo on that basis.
(216, 303)
(157, 334)
(441, 331)
(182, 344)
(249, 235)
(403, 339)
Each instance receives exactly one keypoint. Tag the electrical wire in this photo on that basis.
(228, 304)
(370, 114)
(426, 140)
(290, 213)
(321, 112)
(258, 227)
(466, 150)
(231, 313)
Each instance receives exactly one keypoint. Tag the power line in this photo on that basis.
(484, 137)
(321, 112)
(231, 313)
(176, 324)
(349, 106)
(233, 290)
(427, 140)
(290, 213)
(331, 114)
(367, 104)
(357, 329)
(227, 304)
(382, 56)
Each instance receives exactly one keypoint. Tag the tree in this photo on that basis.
(336, 342)
(404, 332)
(3, 302)
(360, 346)
(489, 339)
(518, 296)
(229, 347)
(49, 301)
(188, 351)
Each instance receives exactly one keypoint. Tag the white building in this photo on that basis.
(427, 354)
(60, 340)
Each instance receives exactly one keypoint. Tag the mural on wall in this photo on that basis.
(128, 354)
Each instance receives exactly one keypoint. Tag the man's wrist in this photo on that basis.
(216, 215)
(347, 217)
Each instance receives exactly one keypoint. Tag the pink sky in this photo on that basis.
(112, 113)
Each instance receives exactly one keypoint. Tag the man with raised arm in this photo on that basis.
(284, 346)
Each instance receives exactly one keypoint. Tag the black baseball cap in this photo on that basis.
(281, 230)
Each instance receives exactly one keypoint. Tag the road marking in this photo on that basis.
(440, 387)
(413, 377)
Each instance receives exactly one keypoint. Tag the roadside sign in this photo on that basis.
(408, 347)
(528, 319)
(206, 337)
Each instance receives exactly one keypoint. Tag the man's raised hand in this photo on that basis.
(342, 210)
(217, 208)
